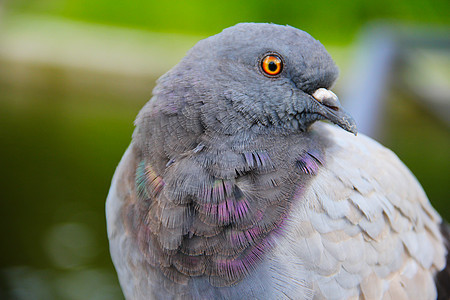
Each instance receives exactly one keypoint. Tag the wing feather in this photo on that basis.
(370, 228)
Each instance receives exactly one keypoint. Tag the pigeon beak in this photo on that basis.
(331, 109)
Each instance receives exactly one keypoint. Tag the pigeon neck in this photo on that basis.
(217, 210)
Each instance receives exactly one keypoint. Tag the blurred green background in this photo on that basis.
(74, 74)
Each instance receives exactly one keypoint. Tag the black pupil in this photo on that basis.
(273, 66)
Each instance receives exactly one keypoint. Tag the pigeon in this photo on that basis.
(230, 189)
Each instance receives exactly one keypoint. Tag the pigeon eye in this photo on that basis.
(272, 64)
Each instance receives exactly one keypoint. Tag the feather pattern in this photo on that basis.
(370, 244)
(244, 211)
(347, 247)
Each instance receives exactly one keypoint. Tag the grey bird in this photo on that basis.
(230, 189)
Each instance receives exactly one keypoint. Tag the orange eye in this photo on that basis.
(272, 64)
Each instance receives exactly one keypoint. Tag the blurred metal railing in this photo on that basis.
(388, 55)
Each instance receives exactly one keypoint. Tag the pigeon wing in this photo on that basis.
(365, 225)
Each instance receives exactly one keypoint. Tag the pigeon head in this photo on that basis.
(259, 77)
